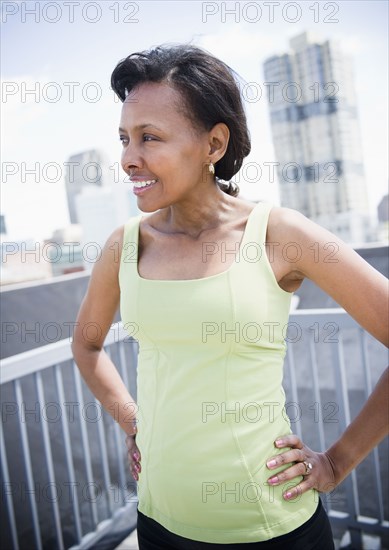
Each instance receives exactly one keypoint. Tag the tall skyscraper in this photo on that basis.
(316, 136)
(82, 170)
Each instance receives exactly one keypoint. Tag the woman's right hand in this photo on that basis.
(133, 456)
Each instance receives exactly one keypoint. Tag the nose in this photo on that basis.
(131, 159)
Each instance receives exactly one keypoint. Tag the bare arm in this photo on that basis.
(363, 293)
(98, 310)
(364, 433)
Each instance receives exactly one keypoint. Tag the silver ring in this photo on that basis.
(308, 467)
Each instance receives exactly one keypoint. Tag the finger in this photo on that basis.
(133, 451)
(287, 474)
(133, 457)
(135, 469)
(289, 440)
(135, 475)
(298, 490)
(294, 455)
(133, 454)
(132, 461)
(136, 454)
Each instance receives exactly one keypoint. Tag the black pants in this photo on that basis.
(315, 534)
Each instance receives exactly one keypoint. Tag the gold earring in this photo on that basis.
(211, 168)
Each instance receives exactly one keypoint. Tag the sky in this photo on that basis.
(65, 52)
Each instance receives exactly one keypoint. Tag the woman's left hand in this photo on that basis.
(317, 468)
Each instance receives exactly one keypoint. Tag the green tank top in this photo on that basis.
(209, 394)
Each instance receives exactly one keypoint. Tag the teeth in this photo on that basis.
(139, 184)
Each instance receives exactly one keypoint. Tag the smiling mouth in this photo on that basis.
(145, 183)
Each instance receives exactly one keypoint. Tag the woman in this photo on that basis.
(194, 278)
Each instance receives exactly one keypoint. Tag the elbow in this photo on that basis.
(81, 349)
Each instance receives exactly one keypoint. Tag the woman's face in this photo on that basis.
(162, 147)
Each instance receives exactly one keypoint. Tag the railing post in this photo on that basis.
(28, 467)
(85, 442)
(49, 463)
(8, 496)
(68, 449)
(344, 409)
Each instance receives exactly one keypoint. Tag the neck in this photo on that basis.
(195, 215)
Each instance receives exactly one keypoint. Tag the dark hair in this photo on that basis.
(209, 89)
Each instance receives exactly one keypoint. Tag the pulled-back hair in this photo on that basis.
(209, 90)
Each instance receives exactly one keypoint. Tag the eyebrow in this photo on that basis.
(142, 127)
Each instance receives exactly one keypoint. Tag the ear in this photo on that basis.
(219, 136)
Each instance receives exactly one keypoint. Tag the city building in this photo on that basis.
(313, 112)
(85, 169)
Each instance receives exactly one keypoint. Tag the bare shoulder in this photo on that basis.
(317, 250)
(286, 222)
(111, 254)
(312, 242)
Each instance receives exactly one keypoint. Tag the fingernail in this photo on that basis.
(273, 480)
(137, 467)
(271, 463)
(279, 442)
(136, 456)
(288, 494)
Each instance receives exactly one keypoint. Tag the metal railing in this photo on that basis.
(63, 459)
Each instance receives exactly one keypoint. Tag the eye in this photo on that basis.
(147, 137)
(124, 140)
